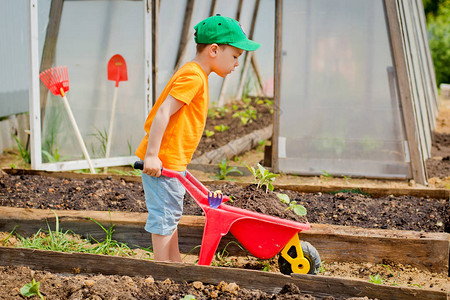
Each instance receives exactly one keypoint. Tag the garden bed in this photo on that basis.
(424, 251)
(426, 248)
(67, 190)
(138, 279)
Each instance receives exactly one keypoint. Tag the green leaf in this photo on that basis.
(262, 170)
(188, 297)
(30, 289)
(283, 198)
(300, 210)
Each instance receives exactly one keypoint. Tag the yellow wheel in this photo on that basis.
(299, 257)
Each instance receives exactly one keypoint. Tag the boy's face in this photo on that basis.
(226, 60)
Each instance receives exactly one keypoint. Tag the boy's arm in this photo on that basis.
(152, 164)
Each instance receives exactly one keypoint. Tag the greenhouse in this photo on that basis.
(352, 81)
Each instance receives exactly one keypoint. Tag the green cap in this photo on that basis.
(223, 30)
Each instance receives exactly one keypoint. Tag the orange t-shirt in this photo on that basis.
(185, 128)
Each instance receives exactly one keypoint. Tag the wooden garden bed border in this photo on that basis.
(435, 193)
(58, 262)
(426, 251)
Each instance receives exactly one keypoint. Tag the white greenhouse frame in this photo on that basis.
(35, 104)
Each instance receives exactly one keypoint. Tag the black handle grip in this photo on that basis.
(139, 165)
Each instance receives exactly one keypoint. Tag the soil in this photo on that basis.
(439, 163)
(96, 287)
(342, 208)
(438, 166)
(236, 128)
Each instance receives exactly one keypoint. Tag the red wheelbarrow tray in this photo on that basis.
(262, 235)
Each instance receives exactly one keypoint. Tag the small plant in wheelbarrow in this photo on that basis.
(298, 209)
(263, 177)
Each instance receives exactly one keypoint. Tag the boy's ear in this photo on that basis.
(212, 50)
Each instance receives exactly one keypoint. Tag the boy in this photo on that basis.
(176, 123)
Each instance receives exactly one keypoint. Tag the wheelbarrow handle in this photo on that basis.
(192, 184)
(139, 165)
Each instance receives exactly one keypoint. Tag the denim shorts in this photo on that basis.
(164, 199)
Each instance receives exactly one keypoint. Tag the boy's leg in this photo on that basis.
(165, 247)
(164, 201)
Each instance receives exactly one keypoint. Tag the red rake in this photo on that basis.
(57, 81)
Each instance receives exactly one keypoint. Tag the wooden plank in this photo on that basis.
(434, 193)
(426, 251)
(48, 52)
(268, 282)
(155, 17)
(248, 55)
(277, 84)
(184, 33)
(417, 164)
(235, 147)
(212, 8)
(257, 71)
(223, 88)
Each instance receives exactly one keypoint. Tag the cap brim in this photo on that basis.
(246, 45)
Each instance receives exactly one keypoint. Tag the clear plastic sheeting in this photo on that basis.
(170, 23)
(339, 109)
(14, 50)
(90, 33)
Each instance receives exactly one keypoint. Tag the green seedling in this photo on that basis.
(133, 172)
(52, 158)
(109, 246)
(243, 117)
(261, 145)
(259, 101)
(221, 128)
(209, 133)
(102, 138)
(298, 209)
(376, 279)
(246, 101)
(215, 111)
(322, 268)
(266, 265)
(222, 256)
(31, 289)
(225, 171)
(347, 179)
(5, 240)
(326, 175)
(222, 110)
(188, 297)
(251, 112)
(263, 177)
(190, 251)
(54, 240)
(12, 165)
(234, 107)
(212, 111)
(24, 154)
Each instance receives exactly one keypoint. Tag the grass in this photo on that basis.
(69, 242)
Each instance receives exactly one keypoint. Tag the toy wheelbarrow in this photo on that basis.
(262, 235)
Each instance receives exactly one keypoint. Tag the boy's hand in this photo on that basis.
(152, 166)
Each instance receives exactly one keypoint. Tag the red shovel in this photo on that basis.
(117, 71)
